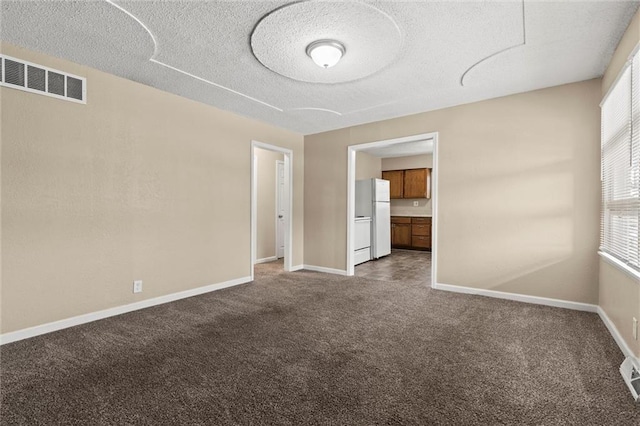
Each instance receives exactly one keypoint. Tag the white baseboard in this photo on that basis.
(106, 313)
(622, 344)
(94, 316)
(558, 303)
(266, 259)
(325, 270)
(613, 330)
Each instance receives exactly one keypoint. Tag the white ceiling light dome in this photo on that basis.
(367, 40)
(326, 53)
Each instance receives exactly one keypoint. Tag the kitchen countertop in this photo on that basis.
(411, 215)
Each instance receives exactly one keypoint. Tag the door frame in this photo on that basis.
(278, 162)
(288, 184)
(351, 185)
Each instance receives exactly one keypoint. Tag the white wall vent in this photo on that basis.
(631, 375)
(34, 78)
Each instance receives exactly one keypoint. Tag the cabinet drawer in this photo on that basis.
(417, 229)
(421, 241)
(400, 219)
(421, 220)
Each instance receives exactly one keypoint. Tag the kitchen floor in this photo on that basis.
(400, 265)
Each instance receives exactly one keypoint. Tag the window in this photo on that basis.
(620, 221)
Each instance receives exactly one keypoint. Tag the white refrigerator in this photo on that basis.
(372, 200)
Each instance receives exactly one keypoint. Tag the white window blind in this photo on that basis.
(620, 222)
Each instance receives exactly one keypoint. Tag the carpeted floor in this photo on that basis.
(310, 348)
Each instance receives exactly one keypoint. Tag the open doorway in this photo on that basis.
(271, 205)
(281, 208)
(408, 164)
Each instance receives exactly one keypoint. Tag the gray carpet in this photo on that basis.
(310, 348)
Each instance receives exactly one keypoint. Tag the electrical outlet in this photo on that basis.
(137, 286)
(635, 329)
(416, 203)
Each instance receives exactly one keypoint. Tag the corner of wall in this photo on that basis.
(626, 45)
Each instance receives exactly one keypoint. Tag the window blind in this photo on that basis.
(620, 218)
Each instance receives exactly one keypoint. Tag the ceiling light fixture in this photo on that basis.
(326, 53)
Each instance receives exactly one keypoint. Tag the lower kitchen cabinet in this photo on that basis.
(401, 232)
(411, 232)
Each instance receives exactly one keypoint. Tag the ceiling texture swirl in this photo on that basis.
(249, 57)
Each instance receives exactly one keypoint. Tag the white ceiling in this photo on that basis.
(402, 57)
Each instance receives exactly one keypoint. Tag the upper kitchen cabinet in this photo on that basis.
(396, 182)
(411, 183)
(417, 183)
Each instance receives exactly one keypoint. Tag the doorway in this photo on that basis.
(422, 144)
(271, 204)
(281, 207)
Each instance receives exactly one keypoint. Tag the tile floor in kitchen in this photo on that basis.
(400, 265)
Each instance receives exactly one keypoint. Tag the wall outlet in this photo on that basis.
(416, 203)
(137, 286)
(635, 329)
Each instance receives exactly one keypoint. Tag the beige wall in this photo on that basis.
(517, 207)
(619, 292)
(368, 166)
(410, 162)
(325, 175)
(137, 184)
(266, 195)
(406, 207)
(1, 210)
(620, 299)
(628, 42)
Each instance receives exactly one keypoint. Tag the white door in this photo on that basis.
(281, 208)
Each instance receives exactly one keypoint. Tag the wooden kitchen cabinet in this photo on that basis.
(410, 183)
(421, 233)
(396, 182)
(411, 232)
(416, 183)
(401, 232)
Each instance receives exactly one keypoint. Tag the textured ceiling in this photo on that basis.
(402, 57)
(372, 38)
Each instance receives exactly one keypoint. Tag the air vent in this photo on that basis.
(34, 78)
(56, 83)
(14, 72)
(74, 88)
